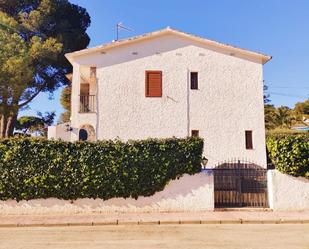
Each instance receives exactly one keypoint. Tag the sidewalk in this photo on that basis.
(217, 217)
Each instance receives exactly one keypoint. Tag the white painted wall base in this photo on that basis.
(287, 192)
(189, 193)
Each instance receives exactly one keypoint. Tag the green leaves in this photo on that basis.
(34, 36)
(38, 168)
(290, 153)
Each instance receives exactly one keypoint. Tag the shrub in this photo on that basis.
(290, 153)
(36, 168)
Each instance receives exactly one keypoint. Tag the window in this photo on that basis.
(194, 133)
(194, 80)
(83, 135)
(153, 83)
(249, 141)
(93, 72)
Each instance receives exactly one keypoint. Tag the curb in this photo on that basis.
(171, 222)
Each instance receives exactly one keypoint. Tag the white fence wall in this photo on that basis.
(287, 192)
(188, 193)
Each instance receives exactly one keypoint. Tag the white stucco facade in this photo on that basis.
(229, 99)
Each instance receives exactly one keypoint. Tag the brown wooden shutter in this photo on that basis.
(153, 84)
(249, 140)
(194, 80)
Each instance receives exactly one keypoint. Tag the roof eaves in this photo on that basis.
(264, 58)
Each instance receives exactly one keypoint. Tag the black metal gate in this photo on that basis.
(240, 184)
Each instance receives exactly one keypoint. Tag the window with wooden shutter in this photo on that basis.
(153, 84)
(249, 140)
(194, 80)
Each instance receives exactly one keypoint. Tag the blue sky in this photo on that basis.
(275, 27)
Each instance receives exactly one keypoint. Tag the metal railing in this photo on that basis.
(87, 103)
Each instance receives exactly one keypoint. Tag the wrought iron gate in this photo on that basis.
(240, 184)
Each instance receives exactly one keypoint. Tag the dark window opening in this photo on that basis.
(194, 80)
(194, 133)
(249, 140)
(83, 135)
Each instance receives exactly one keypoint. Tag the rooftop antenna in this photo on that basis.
(121, 26)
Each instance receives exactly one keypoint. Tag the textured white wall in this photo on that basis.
(228, 102)
(59, 132)
(189, 193)
(287, 192)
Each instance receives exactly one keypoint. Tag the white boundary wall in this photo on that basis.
(188, 193)
(287, 192)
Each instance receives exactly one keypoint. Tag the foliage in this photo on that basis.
(39, 168)
(266, 95)
(270, 117)
(29, 124)
(34, 35)
(284, 131)
(35, 124)
(290, 153)
(65, 100)
(283, 117)
(301, 110)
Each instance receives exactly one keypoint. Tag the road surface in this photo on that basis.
(214, 236)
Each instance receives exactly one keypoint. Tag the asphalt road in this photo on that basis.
(229, 236)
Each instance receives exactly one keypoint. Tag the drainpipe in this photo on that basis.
(97, 108)
(188, 102)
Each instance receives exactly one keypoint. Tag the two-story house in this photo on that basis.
(169, 83)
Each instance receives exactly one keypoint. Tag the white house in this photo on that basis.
(169, 83)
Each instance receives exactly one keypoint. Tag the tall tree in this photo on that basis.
(270, 117)
(18, 60)
(284, 117)
(301, 109)
(35, 124)
(34, 35)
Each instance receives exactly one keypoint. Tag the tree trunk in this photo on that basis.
(3, 126)
(7, 125)
(10, 125)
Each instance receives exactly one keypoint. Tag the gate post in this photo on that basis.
(239, 184)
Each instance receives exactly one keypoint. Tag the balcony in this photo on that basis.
(87, 103)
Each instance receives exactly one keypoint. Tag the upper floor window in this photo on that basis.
(93, 72)
(194, 80)
(153, 83)
(249, 140)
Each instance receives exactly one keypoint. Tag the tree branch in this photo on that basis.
(31, 98)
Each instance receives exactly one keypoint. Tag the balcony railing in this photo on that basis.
(87, 103)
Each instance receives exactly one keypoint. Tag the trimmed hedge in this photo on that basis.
(36, 168)
(290, 153)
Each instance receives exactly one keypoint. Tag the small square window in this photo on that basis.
(194, 80)
(195, 133)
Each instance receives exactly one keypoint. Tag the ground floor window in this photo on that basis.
(249, 140)
(86, 133)
(83, 135)
(195, 133)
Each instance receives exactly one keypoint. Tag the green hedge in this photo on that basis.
(290, 153)
(35, 168)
